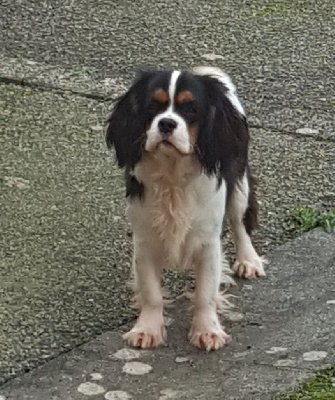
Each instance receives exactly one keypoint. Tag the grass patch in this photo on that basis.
(321, 387)
(303, 219)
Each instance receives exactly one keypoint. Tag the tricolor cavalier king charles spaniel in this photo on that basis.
(183, 140)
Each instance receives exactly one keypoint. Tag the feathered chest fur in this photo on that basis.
(169, 196)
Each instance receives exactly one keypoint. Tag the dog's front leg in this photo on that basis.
(207, 332)
(149, 330)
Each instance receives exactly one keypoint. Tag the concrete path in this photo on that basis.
(66, 246)
(280, 53)
(283, 329)
(64, 243)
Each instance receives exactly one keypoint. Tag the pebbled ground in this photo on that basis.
(64, 244)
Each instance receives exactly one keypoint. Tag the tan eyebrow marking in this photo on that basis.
(161, 95)
(184, 96)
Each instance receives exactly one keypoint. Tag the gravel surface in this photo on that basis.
(280, 52)
(64, 239)
(65, 246)
(277, 341)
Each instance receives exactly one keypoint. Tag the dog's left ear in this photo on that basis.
(127, 124)
(222, 142)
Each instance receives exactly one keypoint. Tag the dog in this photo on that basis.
(182, 138)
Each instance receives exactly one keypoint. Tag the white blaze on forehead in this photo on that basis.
(172, 87)
(180, 137)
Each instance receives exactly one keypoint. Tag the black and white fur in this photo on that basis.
(183, 140)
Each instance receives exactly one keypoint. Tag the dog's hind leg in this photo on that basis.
(242, 213)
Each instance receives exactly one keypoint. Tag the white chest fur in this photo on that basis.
(181, 205)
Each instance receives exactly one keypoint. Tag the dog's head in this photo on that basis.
(179, 113)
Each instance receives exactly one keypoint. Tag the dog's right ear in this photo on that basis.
(127, 124)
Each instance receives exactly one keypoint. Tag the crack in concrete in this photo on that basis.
(50, 88)
(105, 99)
(292, 133)
(237, 363)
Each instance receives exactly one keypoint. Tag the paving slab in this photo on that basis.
(65, 252)
(286, 332)
(280, 53)
(65, 245)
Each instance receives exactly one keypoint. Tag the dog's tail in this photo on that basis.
(224, 78)
(217, 73)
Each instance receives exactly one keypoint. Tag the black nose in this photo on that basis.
(166, 126)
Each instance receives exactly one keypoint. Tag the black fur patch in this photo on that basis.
(134, 188)
(250, 218)
(222, 144)
(130, 118)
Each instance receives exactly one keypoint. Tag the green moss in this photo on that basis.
(322, 387)
(303, 219)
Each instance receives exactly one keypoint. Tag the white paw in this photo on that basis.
(249, 269)
(211, 340)
(146, 337)
(207, 332)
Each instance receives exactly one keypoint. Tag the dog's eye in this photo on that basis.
(188, 108)
(189, 111)
(155, 105)
(153, 108)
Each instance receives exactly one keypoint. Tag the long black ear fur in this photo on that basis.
(127, 124)
(223, 138)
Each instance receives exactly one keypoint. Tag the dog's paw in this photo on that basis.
(145, 338)
(207, 333)
(249, 269)
(209, 340)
